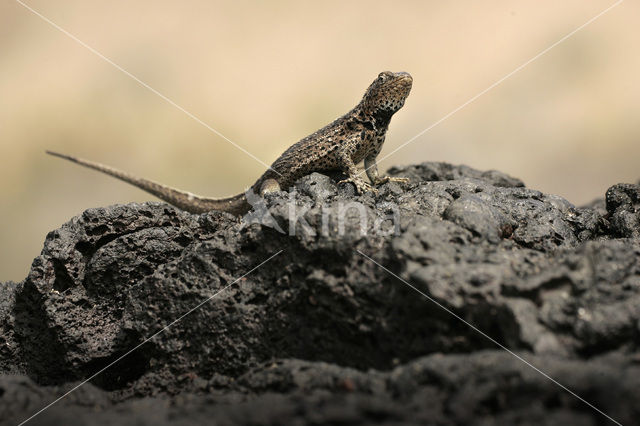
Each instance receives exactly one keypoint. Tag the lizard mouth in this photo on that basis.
(402, 80)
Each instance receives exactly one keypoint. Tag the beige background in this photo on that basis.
(267, 74)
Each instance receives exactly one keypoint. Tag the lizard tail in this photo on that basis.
(187, 201)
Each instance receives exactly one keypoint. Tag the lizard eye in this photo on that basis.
(384, 75)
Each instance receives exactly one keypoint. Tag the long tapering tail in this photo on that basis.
(183, 200)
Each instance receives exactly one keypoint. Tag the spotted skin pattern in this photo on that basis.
(358, 135)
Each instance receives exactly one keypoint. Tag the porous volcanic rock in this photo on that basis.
(461, 298)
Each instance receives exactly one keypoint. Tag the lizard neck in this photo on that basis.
(382, 119)
(373, 119)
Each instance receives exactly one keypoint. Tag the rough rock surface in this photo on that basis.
(308, 315)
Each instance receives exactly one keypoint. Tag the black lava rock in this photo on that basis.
(462, 298)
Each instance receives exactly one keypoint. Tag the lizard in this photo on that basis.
(341, 145)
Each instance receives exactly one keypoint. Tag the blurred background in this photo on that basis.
(265, 74)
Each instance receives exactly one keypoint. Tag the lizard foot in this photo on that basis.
(386, 179)
(361, 185)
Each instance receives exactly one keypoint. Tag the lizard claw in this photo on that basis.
(360, 184)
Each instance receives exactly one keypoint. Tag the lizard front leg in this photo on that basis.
(371, 167)
(349, 168)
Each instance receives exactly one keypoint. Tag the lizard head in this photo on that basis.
(386, 95)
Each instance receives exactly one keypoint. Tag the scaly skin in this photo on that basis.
(358, 135)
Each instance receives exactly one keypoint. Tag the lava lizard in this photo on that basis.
(358, 135)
